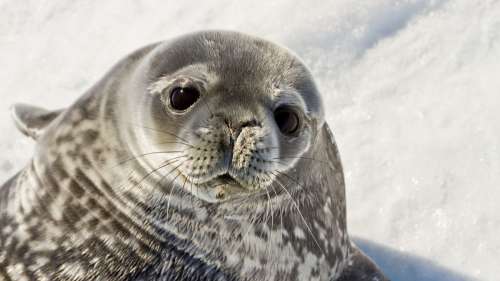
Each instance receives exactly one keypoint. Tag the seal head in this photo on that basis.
(238, 111)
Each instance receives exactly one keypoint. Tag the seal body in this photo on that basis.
(201, 158)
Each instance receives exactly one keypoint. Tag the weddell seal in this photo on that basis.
(205, 157)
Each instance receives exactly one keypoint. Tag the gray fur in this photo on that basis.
(123, 188)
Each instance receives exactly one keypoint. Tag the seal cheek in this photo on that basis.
(205, 158)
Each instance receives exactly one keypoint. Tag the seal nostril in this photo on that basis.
(235, 128)
(250, 123)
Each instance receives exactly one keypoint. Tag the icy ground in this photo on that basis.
(412, 90)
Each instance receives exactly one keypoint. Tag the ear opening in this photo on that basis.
(31, 120)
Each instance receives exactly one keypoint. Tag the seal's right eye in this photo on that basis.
(182, 98)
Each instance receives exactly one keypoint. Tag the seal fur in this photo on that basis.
(122, 187)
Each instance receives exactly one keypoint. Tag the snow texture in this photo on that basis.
(412, 93)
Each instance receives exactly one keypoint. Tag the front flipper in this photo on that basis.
(32, 120)
(361, 268)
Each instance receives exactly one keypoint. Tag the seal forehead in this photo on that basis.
(238, 61)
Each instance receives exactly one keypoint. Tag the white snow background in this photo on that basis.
(412, 94)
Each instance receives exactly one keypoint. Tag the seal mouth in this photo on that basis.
(226, 178)
(225, 187)
(221, 188)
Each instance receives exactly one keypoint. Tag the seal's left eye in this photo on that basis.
(287, 120)
(182, 98)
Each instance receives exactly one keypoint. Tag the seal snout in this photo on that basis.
(234, 151)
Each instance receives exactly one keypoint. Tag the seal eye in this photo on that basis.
(182, 98)
(287, 120)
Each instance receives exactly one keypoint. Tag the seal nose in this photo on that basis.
(235, 127)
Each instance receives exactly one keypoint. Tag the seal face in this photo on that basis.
(237, 115)
(206, 157)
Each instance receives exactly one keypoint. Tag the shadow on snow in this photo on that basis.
(401, 266)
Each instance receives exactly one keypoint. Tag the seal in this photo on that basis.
(205, 157)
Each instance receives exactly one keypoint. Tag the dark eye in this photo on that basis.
(287, 120)
(183, 98)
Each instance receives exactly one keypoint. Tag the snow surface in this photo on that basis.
(412, 92)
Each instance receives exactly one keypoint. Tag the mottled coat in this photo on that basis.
(91, 205)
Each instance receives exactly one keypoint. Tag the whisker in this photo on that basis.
(172, 186)
(211, 114)
(292, 179)
(271, 208)
(163, 165)
(174, 142)
(196, 186)
(271, 147)
(146, 154)
(281, 207)
(250, 223)
(190, 189)
(204, 127)
(300, 213)
(187, 179)
(306, 158)
(162, 132)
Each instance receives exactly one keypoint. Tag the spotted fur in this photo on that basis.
(119, 188)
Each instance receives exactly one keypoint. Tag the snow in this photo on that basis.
(411, 90)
